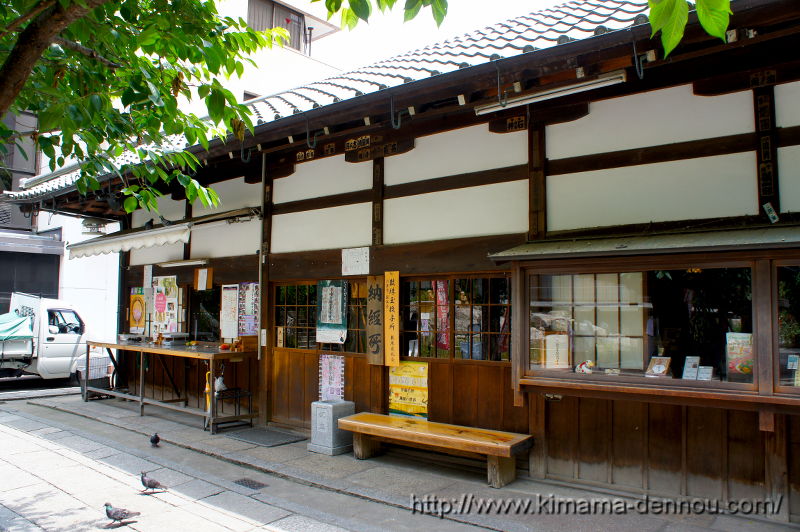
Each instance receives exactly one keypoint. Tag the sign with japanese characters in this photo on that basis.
(331, 377)
(408, 389)
(331, 312)
(375, 319)
(391, 318)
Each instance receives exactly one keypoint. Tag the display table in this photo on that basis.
(211, 355)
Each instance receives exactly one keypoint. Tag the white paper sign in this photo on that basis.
(229, 311)
(355, 261)
(202, 278)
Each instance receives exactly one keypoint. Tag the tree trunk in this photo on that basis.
(31, 44)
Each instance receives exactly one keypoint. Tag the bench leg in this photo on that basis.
(501, 471)
(365, 447)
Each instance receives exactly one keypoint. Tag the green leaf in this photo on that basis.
(439, 8)
(362, 8)
(96, 102)
(411, 10)
(714, 16)
(349, 19)
(669, 17)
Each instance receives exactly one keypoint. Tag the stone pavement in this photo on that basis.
(304, 491)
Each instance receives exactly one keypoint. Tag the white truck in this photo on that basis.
(41, 336)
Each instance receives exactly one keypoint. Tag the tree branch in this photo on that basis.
(88, 52)
(31, 44)
(26, 17)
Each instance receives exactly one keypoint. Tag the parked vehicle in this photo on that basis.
(41, 336)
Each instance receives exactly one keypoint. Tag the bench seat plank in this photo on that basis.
(481, 441)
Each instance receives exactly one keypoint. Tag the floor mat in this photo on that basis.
(265, 437)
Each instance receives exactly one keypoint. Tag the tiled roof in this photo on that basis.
(576, 20)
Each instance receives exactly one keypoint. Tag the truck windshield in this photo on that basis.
(66, 321)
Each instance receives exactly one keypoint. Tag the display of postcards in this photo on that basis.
(690, 368)
(658, 367)
(705, 373)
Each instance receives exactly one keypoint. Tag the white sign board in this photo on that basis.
(355, 261)
(229, 311)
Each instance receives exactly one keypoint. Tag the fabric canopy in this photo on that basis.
(127, 241)
(13, 327)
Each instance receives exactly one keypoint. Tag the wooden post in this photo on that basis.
(501, 470)
(365, 447)
(141, 383)
(537, 459)
(776, 470)
(265, 358)
(537, 200)
(377, 201)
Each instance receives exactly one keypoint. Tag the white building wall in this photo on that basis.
(89, 283)
(323, 177)
(223, 239)
(707, 187)
(470, 149)
(787, 104)
(335, 227)
(651, 119)
(475, 211)
(789, 178)
(233, 194)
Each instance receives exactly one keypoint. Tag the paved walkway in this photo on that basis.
(107, 441)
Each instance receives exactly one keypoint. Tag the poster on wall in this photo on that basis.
(375, 320)
(229, 311)
(165, 304)
(331, 312)
(248, 309)
(138, 314)
(331, 377)
(408, 389)
(391, 318)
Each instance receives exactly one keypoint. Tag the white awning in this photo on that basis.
(126, 241)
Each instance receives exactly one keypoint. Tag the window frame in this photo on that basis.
(451, 278)
(762, 284)
(779, 388)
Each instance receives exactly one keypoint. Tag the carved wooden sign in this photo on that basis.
(375, 319)
(374, 151)
(508, 124)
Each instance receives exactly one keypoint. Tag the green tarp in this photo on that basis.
(13, 327)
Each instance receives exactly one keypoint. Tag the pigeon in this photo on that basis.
(151, 483)
(119, 514)
(154, 439)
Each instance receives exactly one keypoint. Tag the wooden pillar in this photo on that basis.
(767, 150)
(537, 192)
(265, 355)
(537, 459)
(776, 470)
(187, 215)
(377, 201)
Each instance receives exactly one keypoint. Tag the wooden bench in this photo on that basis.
(499, 447)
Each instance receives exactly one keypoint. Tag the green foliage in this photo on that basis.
(670, 18)
(145, 56)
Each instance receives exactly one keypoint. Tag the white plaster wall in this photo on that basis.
(323, 177)
(233, 194)
(337, 227)
(168, 208)
(469, 149)
(787, 104)
(789, 178)
(156, 254)
(651, 119)
(222, 239)
(697, 188)
(475, 211)
(89, 283)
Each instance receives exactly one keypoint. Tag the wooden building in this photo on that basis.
(553, 192)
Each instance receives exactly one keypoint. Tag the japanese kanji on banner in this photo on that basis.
(408, 389)
(331, 377)
(375, 320)
(391, 318)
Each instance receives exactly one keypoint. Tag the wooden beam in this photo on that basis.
(537, 183)
(766, 151)
(377, 201)
(454, 182)
(324, 202)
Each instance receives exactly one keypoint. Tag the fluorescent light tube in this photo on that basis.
(612, 78)
(187, 262)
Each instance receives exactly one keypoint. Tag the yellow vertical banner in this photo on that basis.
(391, 316)
(408, 389)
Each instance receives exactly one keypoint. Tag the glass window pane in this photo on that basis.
(696, 318)
(788, 325)
(291, 295)
(480, 291)
(500, 291)
(280, 298)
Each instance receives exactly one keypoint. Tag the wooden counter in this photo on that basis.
(211, 355)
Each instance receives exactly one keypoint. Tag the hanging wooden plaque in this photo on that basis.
(375, 319)
(391, 296)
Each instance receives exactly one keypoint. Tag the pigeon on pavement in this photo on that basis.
(154, 439)
(119, 514)
(151, 483)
